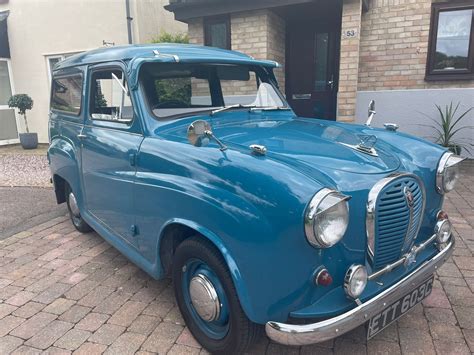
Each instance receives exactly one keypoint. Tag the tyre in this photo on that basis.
(75, 213)
(208, 300)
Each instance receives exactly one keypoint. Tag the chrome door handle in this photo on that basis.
(81, 136)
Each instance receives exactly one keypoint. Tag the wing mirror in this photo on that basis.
(200, 133)
(371, 113)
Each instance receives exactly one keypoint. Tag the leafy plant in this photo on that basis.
(23, 103)
(448, 125)
(166, 37)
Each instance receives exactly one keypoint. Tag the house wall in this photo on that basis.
(393, 56)
(38, 28)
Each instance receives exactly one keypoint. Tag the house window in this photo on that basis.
(67, 94)
(451, 47)
(52, 60)
(217, 32)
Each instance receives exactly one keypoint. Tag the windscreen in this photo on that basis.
(177, 89)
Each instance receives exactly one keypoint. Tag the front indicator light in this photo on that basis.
(355, 281)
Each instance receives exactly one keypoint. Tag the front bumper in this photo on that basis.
(290, 334)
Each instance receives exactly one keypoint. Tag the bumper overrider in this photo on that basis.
(290, 334)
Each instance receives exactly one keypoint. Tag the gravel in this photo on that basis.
(24, 170)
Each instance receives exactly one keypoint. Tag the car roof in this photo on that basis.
(177, 52)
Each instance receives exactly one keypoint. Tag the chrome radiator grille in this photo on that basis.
(395, 211)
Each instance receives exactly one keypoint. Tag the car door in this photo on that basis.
(111, 138)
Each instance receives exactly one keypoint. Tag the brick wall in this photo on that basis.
(349, 62)
(394, 47)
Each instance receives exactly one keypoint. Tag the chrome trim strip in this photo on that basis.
(290, 334)
(372, 205)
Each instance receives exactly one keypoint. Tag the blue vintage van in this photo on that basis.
(189, 161)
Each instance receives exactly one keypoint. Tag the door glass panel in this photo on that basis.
(5, 86)
(453, 37)
(218, 35)
(321, 61)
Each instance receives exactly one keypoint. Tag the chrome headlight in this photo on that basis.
(327, 217)
(448, 172)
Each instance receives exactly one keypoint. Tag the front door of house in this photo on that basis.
(312, 68)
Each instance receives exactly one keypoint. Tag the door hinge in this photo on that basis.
(133, 230)
(133, 159)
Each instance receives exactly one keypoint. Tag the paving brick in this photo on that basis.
(158, 309)
(73, 339)
(9, 343)
(28, 310)
(413, 341)
(345, 346)
(33, 325)
(442, 331)
(75, 314)
(174, 316)
(20, 298)
(52, 293)
(440, 315)
(96, 296)
(144, 324)
(127, 313)
(464, 315)
(81, 289)
(112, 303)
(162, 338)
(126, 343)
(437, 299)
(90, 349)
(178, 349)
(92, 321)
(48, 335)
(59, 306)
(382, 347)
(6, 309)
(446, 347)
(9, 323)
(26, 350)
(187, 339)
(469, 337)
(74, 278)
(107, 334)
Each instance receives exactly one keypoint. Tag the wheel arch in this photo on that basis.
(177, 230)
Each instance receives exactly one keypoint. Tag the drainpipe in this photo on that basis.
(129, 21)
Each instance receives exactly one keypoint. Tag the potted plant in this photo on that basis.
(448, 125)
(23, 103)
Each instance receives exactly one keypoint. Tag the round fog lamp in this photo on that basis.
(355, 280)
(443, 231)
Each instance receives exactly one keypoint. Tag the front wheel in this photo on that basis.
(75, 213)
(208, 300)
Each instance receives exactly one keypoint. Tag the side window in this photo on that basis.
(67, 94)
(110, 98)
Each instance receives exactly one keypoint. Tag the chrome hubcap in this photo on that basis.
(73, 205)
(204, 298)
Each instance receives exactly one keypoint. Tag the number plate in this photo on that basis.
(398, 308)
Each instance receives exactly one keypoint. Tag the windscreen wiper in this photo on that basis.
(230, 107)
(270, 108)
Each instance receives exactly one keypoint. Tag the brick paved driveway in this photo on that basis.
(62, 292)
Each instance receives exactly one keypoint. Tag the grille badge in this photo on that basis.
(409, 196)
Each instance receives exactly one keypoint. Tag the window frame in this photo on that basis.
(209, 21)
(110, 68)
(18, 121)
(68, 75)
(457, 74)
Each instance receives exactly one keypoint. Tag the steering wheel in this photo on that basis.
(170, 104)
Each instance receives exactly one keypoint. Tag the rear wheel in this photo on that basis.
(208, 300)
(75, 213)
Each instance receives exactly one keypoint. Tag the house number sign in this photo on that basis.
(349, 34)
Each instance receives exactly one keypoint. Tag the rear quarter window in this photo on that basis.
(66, 94)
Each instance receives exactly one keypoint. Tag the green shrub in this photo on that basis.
(22, 102)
